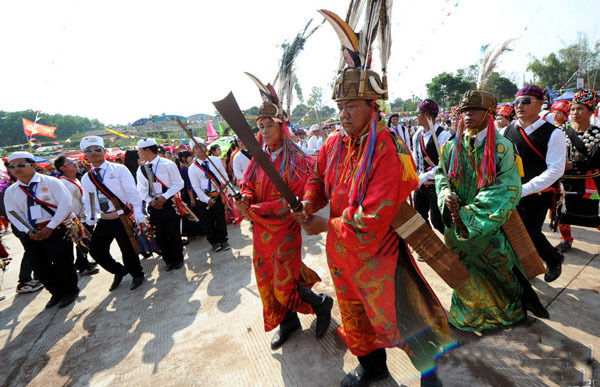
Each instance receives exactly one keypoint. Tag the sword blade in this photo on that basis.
(230, 111)
(20, 219)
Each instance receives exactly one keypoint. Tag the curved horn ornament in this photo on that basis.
(375, 85)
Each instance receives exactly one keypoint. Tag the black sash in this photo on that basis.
(246, 153)
(164, 187)
(107, 192)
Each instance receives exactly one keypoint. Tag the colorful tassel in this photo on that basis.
(487, 167)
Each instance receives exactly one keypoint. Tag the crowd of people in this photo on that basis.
(465, 177)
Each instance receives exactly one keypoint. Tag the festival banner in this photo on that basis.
(211, 133)
(30, 128)
(117, 133)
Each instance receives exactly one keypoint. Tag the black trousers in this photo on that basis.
(52, 262)
(426, 205)
(214, 221)
(104, 233)
(533, 210)
(167, 224)
(25, 270)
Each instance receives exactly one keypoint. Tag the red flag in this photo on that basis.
(30, 128)
(211, 133)
(112, 139)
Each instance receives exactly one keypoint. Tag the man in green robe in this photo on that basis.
(484, 175)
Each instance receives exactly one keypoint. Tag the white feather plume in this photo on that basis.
(489, 62)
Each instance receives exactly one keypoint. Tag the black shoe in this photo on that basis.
(359, 377)
(283, 333)
(185, 242)
(323, 313)
(67, 300)
(553, 272)
(54, 300)
(225, 246)
(136, 282)
(90, 270)
(216, 247)
(564, 245)
(178, 265)
(116, 282)
(169, 267)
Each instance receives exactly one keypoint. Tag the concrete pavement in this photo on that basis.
(203, 326)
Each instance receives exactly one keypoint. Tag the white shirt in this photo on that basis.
(167, 172)
(556, 157)
(403, 132)
(240, 163)
(200, 180)
(48, 189)
(119, 180)
(76, 191)
(314, 144)
(424, 174)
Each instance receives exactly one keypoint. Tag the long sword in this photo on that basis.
(231, 112)
(21, 220)
(150, 180)
(92, 206)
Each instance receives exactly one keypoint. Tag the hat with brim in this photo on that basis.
(88, 141)
(20, 155)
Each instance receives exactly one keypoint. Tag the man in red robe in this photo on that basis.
(284, 282)
(365, 174)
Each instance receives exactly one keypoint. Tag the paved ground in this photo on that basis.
(203, 326)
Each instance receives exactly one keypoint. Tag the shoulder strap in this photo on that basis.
(45, 205)
(526, 138)
(424, 150)
(153, 175)
(72, 182)
(107, 192)
(246, 153)
(209, 173)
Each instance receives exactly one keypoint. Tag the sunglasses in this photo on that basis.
(20, 165)
(96, 149)
(524, 101)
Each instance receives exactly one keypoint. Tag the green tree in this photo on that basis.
(503, 88)
(555, 69)
(315, 99)
(299, 111)
(11, 126)
(299, 93)
(446, 89)
(405, 105)
(253, 111)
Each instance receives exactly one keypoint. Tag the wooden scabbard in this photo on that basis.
(523, 246)
(429, 246)
(126, 225)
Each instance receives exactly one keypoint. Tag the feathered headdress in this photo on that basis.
(356, 79)
(286, 75)
(480, 99)
(272, 106)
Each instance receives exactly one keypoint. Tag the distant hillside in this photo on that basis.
(11, 126)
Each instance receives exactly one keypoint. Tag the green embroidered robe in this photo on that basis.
(493, 296)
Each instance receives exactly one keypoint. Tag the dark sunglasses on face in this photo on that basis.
(20, 165)
(96, 149)
(524, 101)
